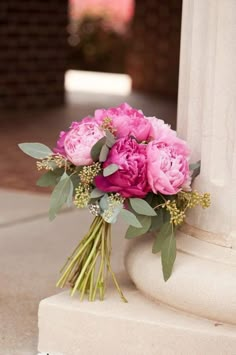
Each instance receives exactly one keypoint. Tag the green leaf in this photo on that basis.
(168, 255)
(50, 178)
(110, 169)
(161, 236)
(133, 232)
(157, 221)
(130, 218)
(196, 165)
(35, 150)
(96, 149)
(115, 212)
(110, 141)
(142, 207)
(60, 195)
(104, 153)
(69, 200)
(96, 193)
(104, 202)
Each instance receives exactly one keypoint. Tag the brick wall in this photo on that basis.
(153, 57)
(33, 50)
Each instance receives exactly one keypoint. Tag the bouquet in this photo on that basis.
(119, 164)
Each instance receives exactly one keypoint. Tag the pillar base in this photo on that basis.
(203, 281)
(70, 327)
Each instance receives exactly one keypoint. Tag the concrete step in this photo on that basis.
(140, 327)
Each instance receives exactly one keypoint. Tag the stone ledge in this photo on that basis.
(69, 327)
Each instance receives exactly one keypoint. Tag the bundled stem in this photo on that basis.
(87, 268)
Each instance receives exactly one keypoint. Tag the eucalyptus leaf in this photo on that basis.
(165, 232)
(96, 149)
(69, 200)
(110, 141)
(103, 153)
(133, 232)
(142, 207)
(130, 218)
(110, 169)
(115, 212)
(50, 178)
(60, 195)
(104, 202)
(196, 165)
(168, 255)
(35, 150)
(157, 221)
(96, 193)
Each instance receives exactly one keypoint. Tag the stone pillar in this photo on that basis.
(206, 112)
(203, 280)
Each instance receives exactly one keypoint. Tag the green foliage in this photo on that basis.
(96, 193)
(110, 169)
(168, 255)
(142, 207)
(50, 178)
(96, 149)
(196, 165)
(164, 232)
(130, 218)
(61, 194)
(35, 150)
(110, 141)
(157, 221)
(103, 153)
(133, 232)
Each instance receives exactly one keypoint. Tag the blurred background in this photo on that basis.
(59, 60)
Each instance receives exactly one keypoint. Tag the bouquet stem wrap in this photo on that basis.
(86, 270)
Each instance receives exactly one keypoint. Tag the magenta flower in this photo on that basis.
(131, 178)
(168, 165)
(126, 121)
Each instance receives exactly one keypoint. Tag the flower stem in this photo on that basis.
(80, 269)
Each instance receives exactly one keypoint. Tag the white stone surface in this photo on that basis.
(207, 110)
(140, 327)
(203, 283)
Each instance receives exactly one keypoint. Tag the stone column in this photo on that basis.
(203, 280)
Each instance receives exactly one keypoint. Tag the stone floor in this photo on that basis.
(32, 251)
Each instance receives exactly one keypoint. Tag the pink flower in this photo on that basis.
(167, 165)
(80, 139)
(131, 178)
(159, 129)
(127, 121)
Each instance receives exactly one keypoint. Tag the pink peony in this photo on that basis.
(159, 129)
(131, 178)
(126, 121)
(168, 165)
(80, 139)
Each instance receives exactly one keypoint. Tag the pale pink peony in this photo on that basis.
(80, 139)
(159, 129)
(131, 178)
(168, 165)
(126, 121)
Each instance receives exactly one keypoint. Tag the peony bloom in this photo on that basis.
(159, 129)
(126, 121)
(131, 178)
(168, 165)
(80, 139)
